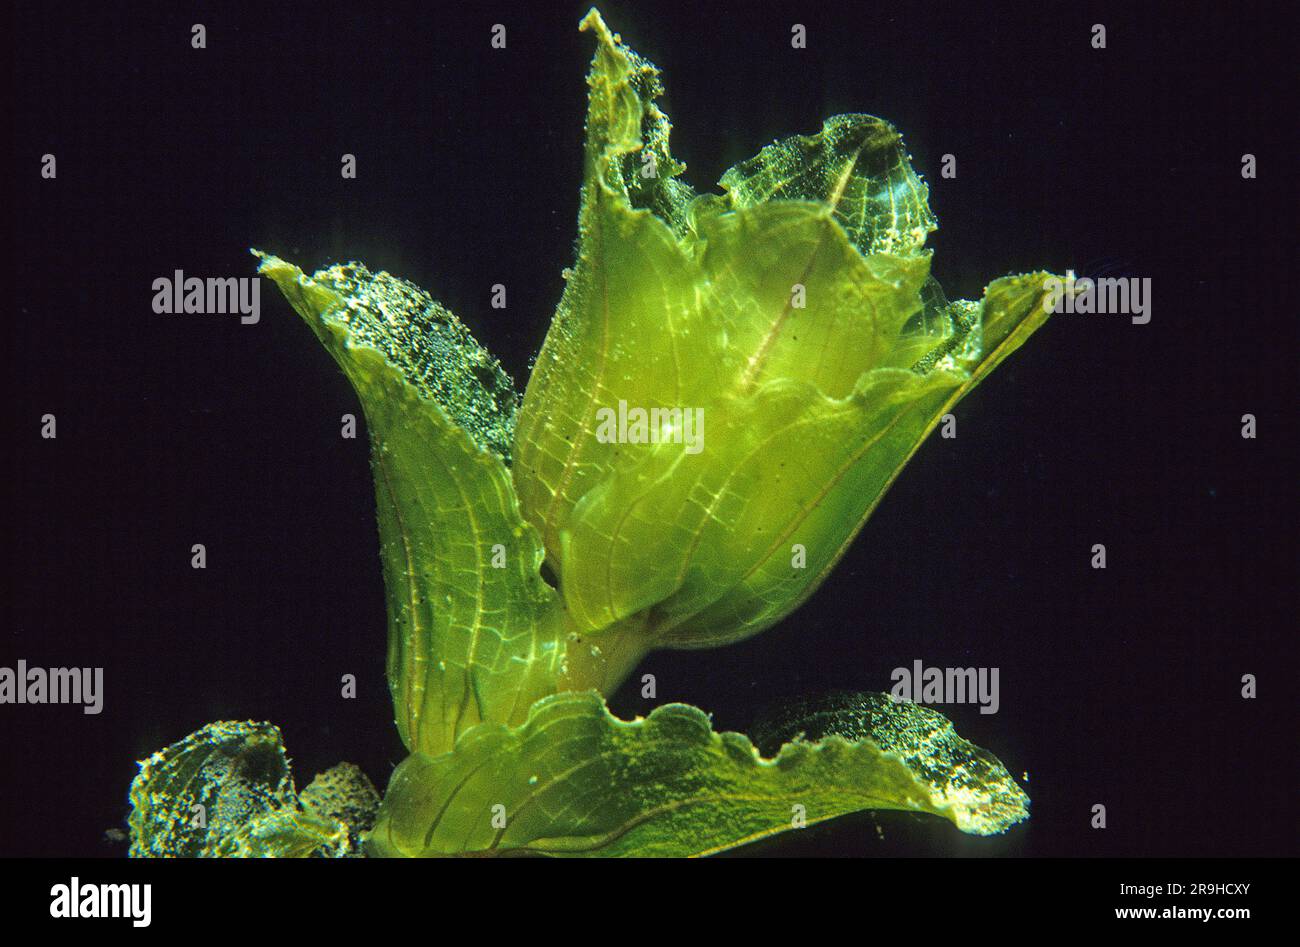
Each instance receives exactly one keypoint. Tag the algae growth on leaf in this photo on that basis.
(796, 312)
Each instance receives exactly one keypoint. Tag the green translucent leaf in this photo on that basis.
(630, 275)
(574, 780)
(468, 641)
(800, 469)
(795, 314)
(857, 167)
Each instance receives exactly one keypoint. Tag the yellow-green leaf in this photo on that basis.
(784, 343)
(474, 631)
(573, 780)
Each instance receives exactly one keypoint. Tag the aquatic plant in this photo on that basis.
(795, 315)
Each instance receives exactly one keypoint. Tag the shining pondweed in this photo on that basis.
(795, 317)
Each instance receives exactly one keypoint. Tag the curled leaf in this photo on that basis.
(790, 325)
(573, 780)
(474, 632)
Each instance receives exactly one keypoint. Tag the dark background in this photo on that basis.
(1118, 687)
